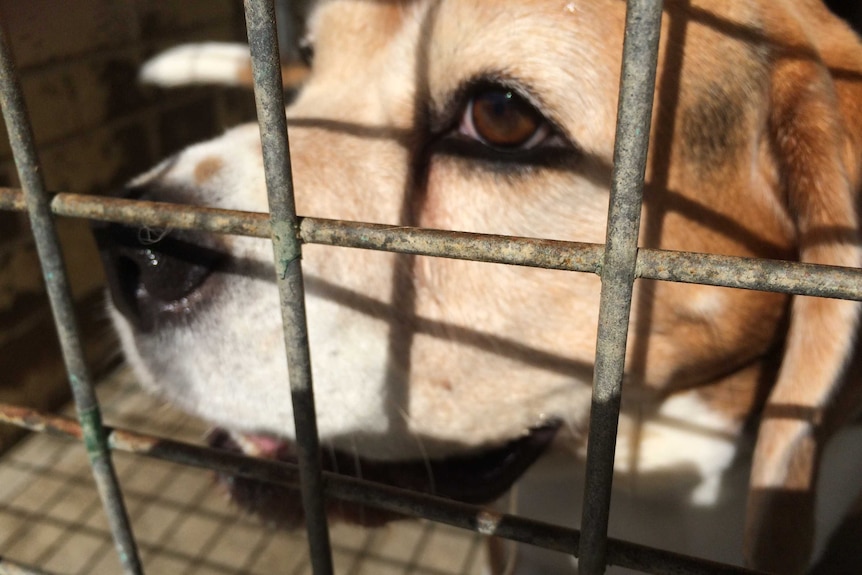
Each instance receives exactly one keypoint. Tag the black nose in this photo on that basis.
(154, 276)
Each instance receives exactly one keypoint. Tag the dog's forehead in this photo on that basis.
(564, 55)
(347, 32)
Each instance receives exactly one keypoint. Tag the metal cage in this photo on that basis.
(619, 263)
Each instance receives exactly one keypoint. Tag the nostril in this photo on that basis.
(172, 269)
(151, 282)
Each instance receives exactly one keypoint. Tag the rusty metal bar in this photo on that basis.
(59, 294)
(286, 243)
(159, 214)
(688, 267)
(750, 273)
(637, 86)
(619, 267)
(410, 503)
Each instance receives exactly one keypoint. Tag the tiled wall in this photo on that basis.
(95, 127)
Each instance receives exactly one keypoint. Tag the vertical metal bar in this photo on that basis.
(637, 86)
(266, 68)
(56, 280)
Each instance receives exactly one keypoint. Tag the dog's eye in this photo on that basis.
(494, 121)
(500, 118)
(306, 50)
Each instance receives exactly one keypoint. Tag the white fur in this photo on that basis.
(703, 519)
(684, 436)
(463, 355)
(208, 63)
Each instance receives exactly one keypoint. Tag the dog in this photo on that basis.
(736, 441)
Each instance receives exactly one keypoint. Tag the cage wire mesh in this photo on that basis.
(619, 263)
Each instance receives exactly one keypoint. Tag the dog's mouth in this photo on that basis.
(478, 478)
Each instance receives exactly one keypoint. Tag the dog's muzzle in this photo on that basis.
(161, 278)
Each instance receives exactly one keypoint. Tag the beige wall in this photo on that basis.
(95, 128)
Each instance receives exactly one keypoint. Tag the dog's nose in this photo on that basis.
(154, 276)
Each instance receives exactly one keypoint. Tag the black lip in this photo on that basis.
(476, 479)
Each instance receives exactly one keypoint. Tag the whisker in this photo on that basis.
(357, 464)
(333, 459)
(425, 459)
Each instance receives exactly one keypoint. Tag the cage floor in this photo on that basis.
(51, 517)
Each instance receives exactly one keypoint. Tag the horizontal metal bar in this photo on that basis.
(687, 267)
(531, 252)
(750, 273)
(154, 214)
(413, 504)
(37, 201)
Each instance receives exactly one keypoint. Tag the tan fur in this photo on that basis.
(207, 169)
(821, 180)
(756, 151)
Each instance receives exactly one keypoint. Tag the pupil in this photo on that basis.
(502, 119)
(500, 103)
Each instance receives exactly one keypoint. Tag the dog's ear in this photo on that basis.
(213, 63)
(815, 125)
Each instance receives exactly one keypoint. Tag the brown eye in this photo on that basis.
(306, 50)
(501, 119)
